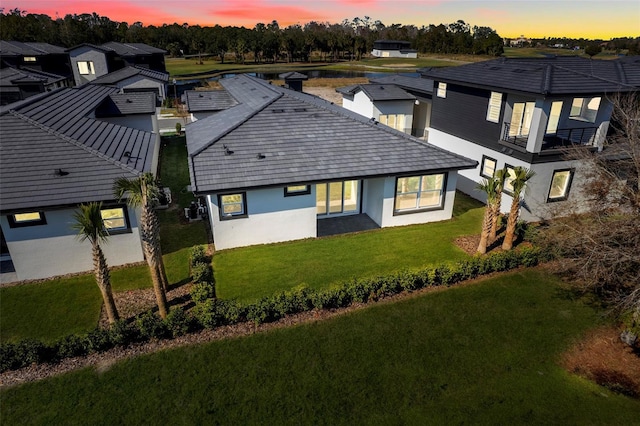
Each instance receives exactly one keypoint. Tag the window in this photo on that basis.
(297, 190)
(560, 184)
(115, 219)
(521, 118)
(585, 109)
(488, 167)
(419, 193)
(19, 220)
(508, 180)
(442, 90)
(29, 59)
(86, 67)
(232, 206)
(554, 117)
(395, 121)
(495, 103)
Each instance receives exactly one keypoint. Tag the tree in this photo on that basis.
(141, 192)
(500, 177)
(489, 187)
(90, 226)
(597, 238)
(521, 175)
(592, 49)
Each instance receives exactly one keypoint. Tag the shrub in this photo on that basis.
(202, 291)
(98, 340)
(213, 313)
(151, 326)
(264, 310)
(121, 333)
(71, 345)
(198, 255)
(202, 273)
(177, 322)
(178, 128)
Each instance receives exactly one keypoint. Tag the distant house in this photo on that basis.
(89, 62)
(137, 79)
(58, 150)
(279, 163)
(43, 57)
(393, 49)
(18, 84)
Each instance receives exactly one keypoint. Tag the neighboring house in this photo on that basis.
(205, 103)
(88, 61)
(280, 162)
(35, 56)
(137, 79)
(57, 152)
(18, 84)
(393, 49)
(527, 112)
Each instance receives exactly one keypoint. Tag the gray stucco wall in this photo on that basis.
(86, 53)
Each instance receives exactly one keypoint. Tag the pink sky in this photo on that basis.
(573, 18)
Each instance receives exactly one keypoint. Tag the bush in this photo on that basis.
(177, 322)
(71, 345)
(264, 310)
(151, 326)
(198, 255)
(202, 291)
(98, 340)
(202, 273)
(178, 128)
(214, 313)
(121, 333)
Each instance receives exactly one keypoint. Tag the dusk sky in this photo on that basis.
(542, 18)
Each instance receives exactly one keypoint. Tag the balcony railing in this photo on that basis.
(563, 138)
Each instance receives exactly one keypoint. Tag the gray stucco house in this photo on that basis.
(278, 162)
(58, 150)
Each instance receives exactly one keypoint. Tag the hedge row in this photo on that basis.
(204, 287)
(211, 313)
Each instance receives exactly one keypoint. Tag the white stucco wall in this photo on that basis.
(404, 107)
(272, 217)
(361, 104)
(52, 249)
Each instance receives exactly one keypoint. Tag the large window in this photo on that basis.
(338, 198)
(554, 117)
(18, 220)
(521, 118)
(560, 185)
(495, 103)
(395, 121)
(86, 67)
(232, 206)
(488, 167)
(419, 193)
(442, 90)
(508, 180)
(585, 109)
(115, 219)
(297, 190)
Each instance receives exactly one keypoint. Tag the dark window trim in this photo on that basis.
(14, 224)
(486, 157)
(507, 166)
(236, 216)
(126, 218)
(445, 180)
(306, 191)
(571, 171)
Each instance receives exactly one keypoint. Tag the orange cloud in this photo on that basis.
(242, 12)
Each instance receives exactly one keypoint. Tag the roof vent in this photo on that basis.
(60, 172)
(261, 156)
(300, 110)
(129, 101)
(277, 111)
(227, 151)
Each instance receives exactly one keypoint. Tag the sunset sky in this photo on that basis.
(510, 18)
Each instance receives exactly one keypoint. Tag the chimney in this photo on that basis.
(293, 80)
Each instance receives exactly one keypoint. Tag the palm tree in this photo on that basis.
(521, 175)
(490, 187)
(89, 224)
(500, 177)
(140, 193)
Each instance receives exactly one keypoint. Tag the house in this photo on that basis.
(398, 101)
(88, 61)
(43, 57)
(137, 79)
(18, 84)
(205, 103)
(58, 150)
(393, 49)
(505, 113)
(279, 163)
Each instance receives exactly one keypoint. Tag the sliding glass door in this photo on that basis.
(338, 198)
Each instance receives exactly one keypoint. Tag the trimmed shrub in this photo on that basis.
(202, 291)
(177, 322)
(264, 310)
(151, 326)
(202, 273)
(121, 333)
(214, 313)
(198, 255)
(98, 340)
(8, 359)
(71, 345)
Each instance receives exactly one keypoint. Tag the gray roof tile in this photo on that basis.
(18, 48)
(408, 83)
(209, 100)
(131, 49)
(10, 76)
(378, 92)
(119, 104)
(128, 72)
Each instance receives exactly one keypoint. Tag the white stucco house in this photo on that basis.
(61, 149)
(393, 49)
(279, 162)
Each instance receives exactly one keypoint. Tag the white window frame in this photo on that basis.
(494, 107)
(483, 167)
(232, 215)
(86, 68)
(442, 90)
(582, 109)
(565, 188)
(418, 208)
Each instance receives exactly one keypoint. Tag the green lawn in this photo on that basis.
(480, 354)
(249, 273)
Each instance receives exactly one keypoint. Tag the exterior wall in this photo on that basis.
(393, 54)
(85, 53)
(141, 82)
(396, 107)
(421, 119)
(361, 104)
(53, 249)
(272, 218)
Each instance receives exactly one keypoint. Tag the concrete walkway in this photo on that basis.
(345, 225)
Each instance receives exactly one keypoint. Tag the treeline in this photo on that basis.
(266, 42)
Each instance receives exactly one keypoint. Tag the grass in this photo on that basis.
(480, 354)
(55, 308)
(249, 273)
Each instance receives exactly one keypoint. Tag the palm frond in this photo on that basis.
(89, 223)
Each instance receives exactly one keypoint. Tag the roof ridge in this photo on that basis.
(72, 141)
(592, 76)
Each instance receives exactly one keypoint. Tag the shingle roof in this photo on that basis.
(119, 104)
(378, 92)
(10, 76)
(18, 48)
(408, 83)
(131, 49)
(293, 75)
(548, 76)
(303, 139)
(128, 72)
(209, 100)
(56, 131)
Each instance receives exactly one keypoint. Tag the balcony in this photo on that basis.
(563, 138)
